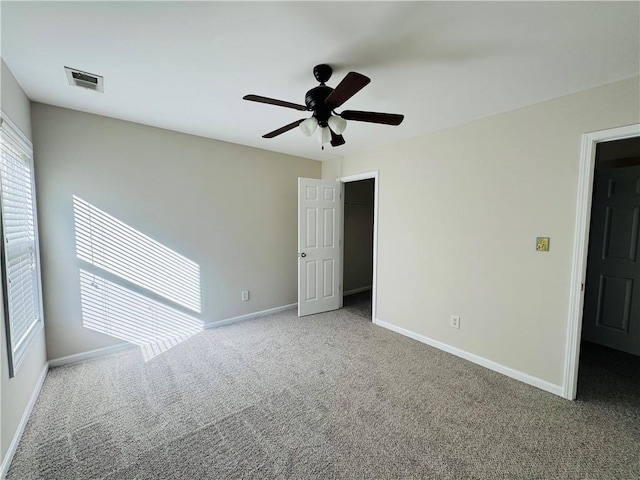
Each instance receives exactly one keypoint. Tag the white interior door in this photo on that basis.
(319, 256)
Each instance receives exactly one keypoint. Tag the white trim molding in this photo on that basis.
(98, 352)
(581, 247)
(358, 176)
(356, 290)
(249, 316)
(376, 195)
(478, 360)
(13, 131)
(13, 446)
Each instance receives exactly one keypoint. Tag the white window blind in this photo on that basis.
(21, 277)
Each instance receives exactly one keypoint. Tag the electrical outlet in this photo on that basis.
(245, 295)
(455, 321)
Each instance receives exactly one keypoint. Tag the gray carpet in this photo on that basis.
(359, 304)
(327, 396)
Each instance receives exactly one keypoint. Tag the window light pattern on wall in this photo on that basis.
(107, 243)
(110, 308)
(131, 286)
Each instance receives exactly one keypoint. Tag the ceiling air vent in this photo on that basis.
(78, 78)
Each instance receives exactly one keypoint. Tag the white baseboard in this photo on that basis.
(13, 446)
(356, 290)
(249, 316)
(99, 352)
(78, 357)
(490, 364)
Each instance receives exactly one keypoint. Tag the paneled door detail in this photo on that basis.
(612, 296)
(319, 226)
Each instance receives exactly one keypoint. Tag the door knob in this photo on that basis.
(302, 254)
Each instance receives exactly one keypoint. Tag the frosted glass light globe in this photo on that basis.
(337, 124)
(324, 135)
(309, 126)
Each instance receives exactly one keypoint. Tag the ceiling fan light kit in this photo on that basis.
(324, 135)
(322, 101)
(309, 126)
(337, 124)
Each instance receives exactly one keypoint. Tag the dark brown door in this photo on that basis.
(612, 295)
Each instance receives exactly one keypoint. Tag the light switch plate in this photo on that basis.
(542, 244)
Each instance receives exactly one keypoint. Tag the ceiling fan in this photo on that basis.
(322, 101)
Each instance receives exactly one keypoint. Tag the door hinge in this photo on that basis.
(582, 287)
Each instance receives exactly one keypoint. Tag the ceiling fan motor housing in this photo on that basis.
(315, 100)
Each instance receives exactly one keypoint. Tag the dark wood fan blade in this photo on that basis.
(273, 101)
(336, 140)
(286, 128)
(373, 117)
(347, 88)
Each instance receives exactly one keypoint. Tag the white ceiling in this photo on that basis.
(185, 66)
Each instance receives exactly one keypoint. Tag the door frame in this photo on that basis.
(374, 282)
(581, 248)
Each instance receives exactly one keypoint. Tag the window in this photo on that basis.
(20, 255)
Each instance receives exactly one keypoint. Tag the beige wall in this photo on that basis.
(14, 102)
(459, 212)
(229, 208)
(15, 392)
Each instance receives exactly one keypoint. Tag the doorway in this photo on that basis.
(603, 298)
(359, 243)
(357, 265)
(321, 243)
(610, 343)
(611, 315)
